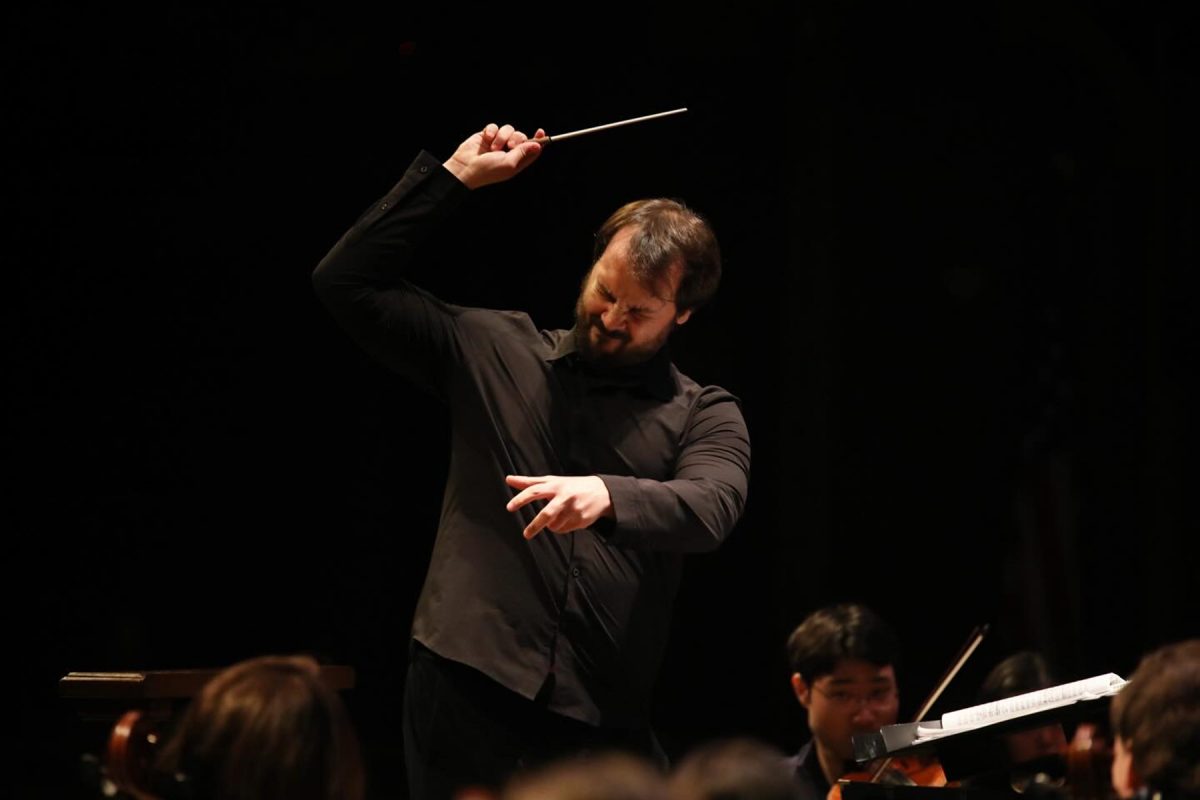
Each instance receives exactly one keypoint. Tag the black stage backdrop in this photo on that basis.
(960, 245)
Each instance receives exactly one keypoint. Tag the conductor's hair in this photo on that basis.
(836, 633)
(667, 232)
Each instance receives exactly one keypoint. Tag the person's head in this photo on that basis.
(843, 673)
(599, 776)
(1023, 672)
(266, 728)
(734, 769)
(1156, 724)
(656, 262)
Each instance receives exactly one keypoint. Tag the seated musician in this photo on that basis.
(1156, 726)
(1023, 672)
(843, 674)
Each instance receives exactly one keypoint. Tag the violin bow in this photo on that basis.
(973, 641)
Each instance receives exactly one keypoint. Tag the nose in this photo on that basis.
(613, 318)
(863, 713)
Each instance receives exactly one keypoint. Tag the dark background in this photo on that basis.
(960, 246)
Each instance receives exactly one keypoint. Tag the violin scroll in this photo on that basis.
(129, 756)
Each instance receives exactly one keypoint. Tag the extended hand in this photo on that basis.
(575, 501)
(494, 154)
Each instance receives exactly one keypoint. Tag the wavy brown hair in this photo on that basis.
(668, 232)
(1158, 715)
(266, 729)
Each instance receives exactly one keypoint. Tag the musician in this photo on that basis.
(263, 729)
(583, 466)
(1156, 726)
(843, 674)
(1022, 672)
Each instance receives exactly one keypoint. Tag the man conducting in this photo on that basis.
(583, 466)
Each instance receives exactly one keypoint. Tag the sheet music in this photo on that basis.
(1021, 705)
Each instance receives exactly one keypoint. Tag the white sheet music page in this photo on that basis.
(1021, 705)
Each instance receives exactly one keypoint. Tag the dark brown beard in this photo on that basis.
(583, 339)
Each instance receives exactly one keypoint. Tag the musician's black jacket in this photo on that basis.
(592, 607)
(806, 768)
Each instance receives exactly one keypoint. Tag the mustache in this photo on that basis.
(620, 336)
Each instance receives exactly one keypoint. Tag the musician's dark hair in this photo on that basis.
(265, 729)
(667, 232)
(1024, 671)
(833, 634)
(734, 769)
(1157, 714)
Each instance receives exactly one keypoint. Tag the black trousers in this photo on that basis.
(463, 729)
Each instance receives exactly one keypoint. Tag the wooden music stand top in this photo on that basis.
(169, 684)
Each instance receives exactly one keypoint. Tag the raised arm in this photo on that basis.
(363, 280)
(495, 154)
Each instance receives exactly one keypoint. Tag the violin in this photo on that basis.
(899, 771)
(127, 768)
(1076, 770)
(1089, 764)
(1079, 770)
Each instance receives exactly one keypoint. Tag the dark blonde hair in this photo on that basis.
(266, 729)
(596, 776)
(1158, 715)
(668, 232)
(734, 769)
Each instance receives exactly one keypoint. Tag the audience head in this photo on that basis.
(734, 769)
(600, 776)
(1156, 725)
(266, 729)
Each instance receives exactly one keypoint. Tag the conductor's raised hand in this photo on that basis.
(574, 502)
(494, 154)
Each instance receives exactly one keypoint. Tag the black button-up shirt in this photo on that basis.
(805, 766)
(590, 607)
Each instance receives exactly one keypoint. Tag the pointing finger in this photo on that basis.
(521, 481)
(527, 496)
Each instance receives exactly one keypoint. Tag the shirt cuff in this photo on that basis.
(622, 492)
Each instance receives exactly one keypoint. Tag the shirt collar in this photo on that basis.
(808, 761)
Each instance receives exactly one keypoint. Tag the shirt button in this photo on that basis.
(383, 206)
(424, 169)
(574, 572)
